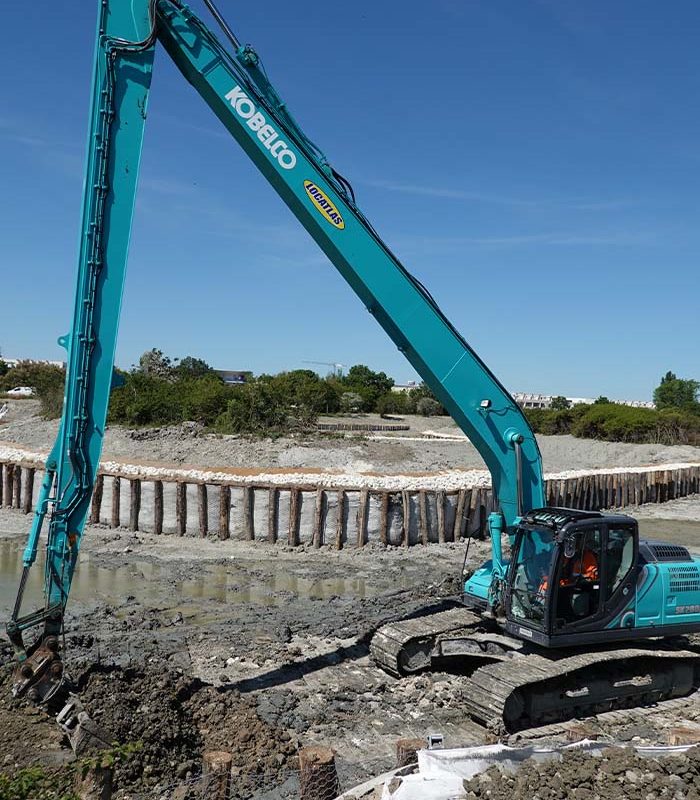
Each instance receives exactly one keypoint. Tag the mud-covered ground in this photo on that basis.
(185, 645)
(181, 646)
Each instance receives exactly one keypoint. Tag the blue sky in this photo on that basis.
(536, 163)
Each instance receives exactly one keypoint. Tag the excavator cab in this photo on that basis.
(571, 574)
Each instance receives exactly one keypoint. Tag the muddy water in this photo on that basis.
(152, 583)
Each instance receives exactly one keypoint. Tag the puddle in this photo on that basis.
(150, 584)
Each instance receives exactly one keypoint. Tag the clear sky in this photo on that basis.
(536, 163)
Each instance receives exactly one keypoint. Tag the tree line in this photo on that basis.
(675, 420)
(160, 390)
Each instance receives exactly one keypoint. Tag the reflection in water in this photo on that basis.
(148, 582)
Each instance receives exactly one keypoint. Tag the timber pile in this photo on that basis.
(316, 515)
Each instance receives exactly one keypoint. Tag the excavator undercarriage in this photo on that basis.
(512, 684)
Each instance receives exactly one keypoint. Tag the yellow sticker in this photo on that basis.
(324, 205)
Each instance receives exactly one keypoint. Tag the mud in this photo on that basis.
(181, 645)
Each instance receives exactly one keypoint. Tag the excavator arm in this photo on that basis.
(232, 81)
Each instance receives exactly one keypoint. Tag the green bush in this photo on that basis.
(46, 379)
(258, 408)
(617, 423)
(32, 783)
(427, 407)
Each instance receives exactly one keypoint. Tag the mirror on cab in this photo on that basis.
(570, 546)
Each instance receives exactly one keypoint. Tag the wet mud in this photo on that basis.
(179, 646)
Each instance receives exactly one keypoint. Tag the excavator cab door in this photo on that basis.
(566, 584)
(593, 577)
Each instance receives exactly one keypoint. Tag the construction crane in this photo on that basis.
(581, 617)
(336, 368)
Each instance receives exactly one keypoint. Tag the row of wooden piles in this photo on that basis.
(340, 517)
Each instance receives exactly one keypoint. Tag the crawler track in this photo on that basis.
(514, 686)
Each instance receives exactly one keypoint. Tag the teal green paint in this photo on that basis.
(238, 92)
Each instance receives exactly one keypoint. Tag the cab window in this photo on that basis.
(620, 557)
(533, 562)
(578, 578)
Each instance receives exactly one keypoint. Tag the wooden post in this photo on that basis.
(462, 503)
(362, 509)
(158, 507)
(294, 508)
(340, 520)
(248, 513)
(318, 779)
(96, 502)
(406, 503)
(440, 501)
(423, 516)
(17, 487)
(216, 774)
(224, 509)
(319, 509)
(135, 500)
(407, 751)
(93, 783)
(181, 508)
(384, 519)
(273, 497)
(116, 495)
(203, 510)
(28, 490)
(9, 470)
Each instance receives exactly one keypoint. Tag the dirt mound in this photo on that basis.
(167, 718)
(175, 719)
(617, 774)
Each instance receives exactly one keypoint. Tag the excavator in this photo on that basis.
(572, 615)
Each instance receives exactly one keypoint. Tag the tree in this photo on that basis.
(601, 400)
(560, 403)
(370, 385)
(4, 368)
(258, 408)
(419, 393)
(191, 367)
(156, 364)
(674, 392)
(427, 407)
(350, 401)
(394, 403)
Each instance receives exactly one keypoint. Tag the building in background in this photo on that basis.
(531, 400)
(13, 362)
(234, 377)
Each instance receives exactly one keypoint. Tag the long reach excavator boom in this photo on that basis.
(577, 584)
(233, 83)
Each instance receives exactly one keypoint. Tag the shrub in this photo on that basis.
(395, 403)
(46, 379)
(256, 408)
(617, 423)
(350, 402)
(427, 407)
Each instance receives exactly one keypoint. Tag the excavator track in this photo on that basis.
(513, 686)
(536, 690)
(404, 647)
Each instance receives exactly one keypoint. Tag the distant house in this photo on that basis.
(233, 377)
(13, 362)
(532, 400)
(404, 387)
